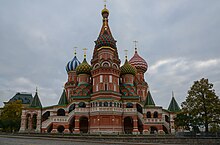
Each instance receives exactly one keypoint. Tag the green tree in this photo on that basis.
(202, 105)
(10, 118)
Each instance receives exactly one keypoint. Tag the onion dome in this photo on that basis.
(128, 69)
(71, 65)
(84, 68)
(138, 62)
(105, 12)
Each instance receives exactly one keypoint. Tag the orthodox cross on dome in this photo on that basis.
(172, 94)
(85, 49)
(75, 50)
(126, 53)
(36, 89)
(135, 45)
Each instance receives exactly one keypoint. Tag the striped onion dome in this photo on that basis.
(138, 62)
(128, 69)
(84, 68)
(71, 65)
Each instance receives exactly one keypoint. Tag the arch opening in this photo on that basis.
(128, 125)
(83, 124)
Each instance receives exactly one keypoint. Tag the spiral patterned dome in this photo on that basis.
(105, 40)
(128, 69)
(71, 65)
(84, 68)
(138, 62)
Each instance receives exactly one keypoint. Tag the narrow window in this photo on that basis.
(110, 78)
(101, 78)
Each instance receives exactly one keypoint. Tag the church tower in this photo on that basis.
(105, 64)
(105, 111)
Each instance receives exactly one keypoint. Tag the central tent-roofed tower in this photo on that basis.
(105, 76)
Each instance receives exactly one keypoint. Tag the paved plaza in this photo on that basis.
(42, 141)
(16, 140)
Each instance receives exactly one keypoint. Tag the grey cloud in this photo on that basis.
(37, 40)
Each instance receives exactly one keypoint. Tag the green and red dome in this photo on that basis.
(128, 69)
(84, 68)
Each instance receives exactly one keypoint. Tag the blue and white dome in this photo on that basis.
(71, 65)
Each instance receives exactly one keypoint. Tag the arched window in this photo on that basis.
(72, 107)
(82, 105)
(155, 114)
(100, 104)
(105, 104)
(148, 114)
(60, 112)
(129, 105)
(110, 104)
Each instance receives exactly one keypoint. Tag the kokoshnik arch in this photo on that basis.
(102, 97)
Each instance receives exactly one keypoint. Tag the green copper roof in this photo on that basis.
(36, 102)
(173, 107)
(63, 99)
(149, 100)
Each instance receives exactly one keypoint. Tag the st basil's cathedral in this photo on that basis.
(103, 97)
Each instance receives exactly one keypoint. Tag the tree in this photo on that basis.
(202, 105)
(10, 118)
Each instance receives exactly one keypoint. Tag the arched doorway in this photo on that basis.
(83, 124)
(140, 126)
(128, 125)
(34, 121)
(153, 130)
(72, 124)
(60, 129)
(28, 121)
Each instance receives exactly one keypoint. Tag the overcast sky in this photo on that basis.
(179, 39)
